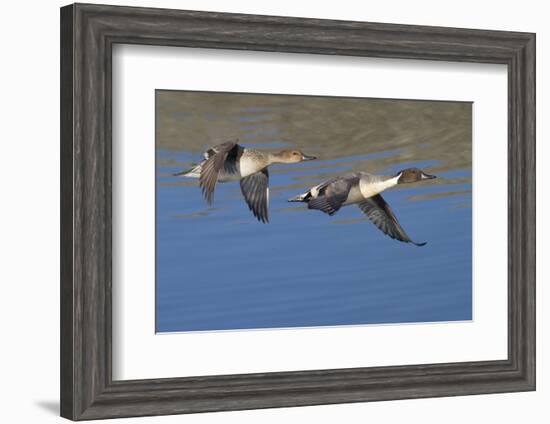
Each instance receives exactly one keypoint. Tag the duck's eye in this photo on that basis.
(295, 153)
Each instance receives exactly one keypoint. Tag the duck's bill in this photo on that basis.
(428, 176)
(306, 157)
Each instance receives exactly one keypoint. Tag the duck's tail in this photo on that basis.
(304, 197)
(194, 172)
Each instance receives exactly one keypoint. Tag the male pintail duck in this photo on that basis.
(363, 189)
(231, 162)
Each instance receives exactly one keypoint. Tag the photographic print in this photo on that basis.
(284, 211)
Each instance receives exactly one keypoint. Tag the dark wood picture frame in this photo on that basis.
(88, 33)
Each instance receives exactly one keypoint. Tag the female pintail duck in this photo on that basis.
(363, 189)
(231, 162)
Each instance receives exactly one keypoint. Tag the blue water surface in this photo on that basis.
(217, 268)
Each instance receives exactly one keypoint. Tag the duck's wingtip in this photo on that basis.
(420, 244)
(209, 199)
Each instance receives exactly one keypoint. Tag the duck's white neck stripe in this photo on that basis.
(395, 180)
(373, 188)
(391, 181)
(398, 176)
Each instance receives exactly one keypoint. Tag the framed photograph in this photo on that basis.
(263, 211)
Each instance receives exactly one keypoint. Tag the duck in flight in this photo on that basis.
(363, 189)
(231, 162)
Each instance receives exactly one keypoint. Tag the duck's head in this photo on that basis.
(292, 156)
(412, 175)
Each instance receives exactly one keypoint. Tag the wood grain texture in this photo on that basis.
(88, 33)
(66, 210)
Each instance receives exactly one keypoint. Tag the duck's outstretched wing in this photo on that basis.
(331, 195)
(381, 215)
(218, 158)
(255, 189)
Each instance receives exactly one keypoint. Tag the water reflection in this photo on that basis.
(217, 268)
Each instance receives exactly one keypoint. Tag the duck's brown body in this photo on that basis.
(231, 162)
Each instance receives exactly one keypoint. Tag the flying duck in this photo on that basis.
(363, 189)
(231, 162)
